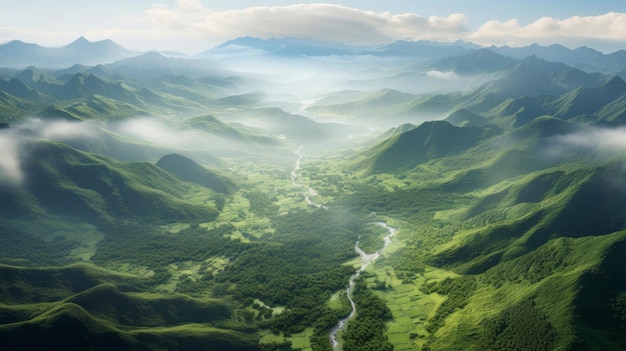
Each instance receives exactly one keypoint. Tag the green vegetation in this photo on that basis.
(519, 327)
(367, 331)
(188, 170)
(204, 228)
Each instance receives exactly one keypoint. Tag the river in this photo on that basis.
(310, 191)
(366, 259)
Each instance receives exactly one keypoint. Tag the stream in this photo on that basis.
(366, 259)
(310, 191)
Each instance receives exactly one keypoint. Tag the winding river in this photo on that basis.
(310, 191)
(366, 259)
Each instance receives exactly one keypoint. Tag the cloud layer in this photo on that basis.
(575, 31)
(602, 141)
(190, 26)
(340, 23)
(316, 21)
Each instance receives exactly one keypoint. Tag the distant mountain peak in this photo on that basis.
(17, 54)
(18, 44)
(80, 40)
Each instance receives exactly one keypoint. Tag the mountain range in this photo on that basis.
(522, 91)
(19, 55)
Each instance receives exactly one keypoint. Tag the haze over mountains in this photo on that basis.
(161, 201)
(17, 54)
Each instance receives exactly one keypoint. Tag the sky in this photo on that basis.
(193, 26)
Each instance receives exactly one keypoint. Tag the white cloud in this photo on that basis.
(60, 130)
(15, 140)
(315, 21)
(156, 132)
(450, 75)
(600, 143)
(341, 23)
(597, 139)
(190, 26)
(575, 31)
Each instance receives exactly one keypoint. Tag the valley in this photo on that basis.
(469, 198)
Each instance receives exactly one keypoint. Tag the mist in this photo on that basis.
(14, 143)
(451, 75)
(10, 169)
(604, 143)
(59, 130)
(154, 131)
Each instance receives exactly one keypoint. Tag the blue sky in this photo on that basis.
(192, 26)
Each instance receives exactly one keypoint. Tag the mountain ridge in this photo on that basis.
(17, 54)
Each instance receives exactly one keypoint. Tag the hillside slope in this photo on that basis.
(66, 181)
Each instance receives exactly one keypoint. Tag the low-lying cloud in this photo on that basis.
(59, 129)
(601, 142)
(450, 75)
(14, 141)
(158, 133)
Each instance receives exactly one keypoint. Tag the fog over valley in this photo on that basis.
(188, 175)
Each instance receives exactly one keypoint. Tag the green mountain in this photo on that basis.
(519, 82)
(292, 127)
(84, 85)
(475, 62)
(16, 88)
(584, 103)
(69, 182)
(218, 128)
(94, 107)
(13, 109)
(465, 118)
(428, 141)
(188, 170)
(374, 106)
(38, 80)
(530, 89)
(19, 55)
(153, 65)
(533, 230)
